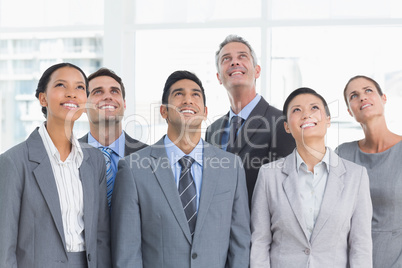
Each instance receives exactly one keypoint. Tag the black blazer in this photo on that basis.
(132, 145)
(262, 139)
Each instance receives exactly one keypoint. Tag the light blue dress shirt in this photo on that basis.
(312, 188)
(118, 147)
(244, 113)
(174, 154)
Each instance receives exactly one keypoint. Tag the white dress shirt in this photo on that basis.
(312, 188)
(69, 188)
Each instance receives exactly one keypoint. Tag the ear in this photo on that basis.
(163, 110)
(350, 113)
(42, 99)
(328, 121)
(257, 71)
(124, 104)
(384, 98)
(286, 126)
(205, 113)
(219, 78)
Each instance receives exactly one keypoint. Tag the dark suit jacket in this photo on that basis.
(32, 233)
(261, 140)
(149, 225)
(132, 145)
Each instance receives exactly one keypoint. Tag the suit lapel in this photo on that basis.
(88, 194)
(45, 179)
(210, 177)
(333, 191)
(292, 191)
(163, 173)
(216, 133)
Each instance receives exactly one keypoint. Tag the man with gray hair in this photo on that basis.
(252, 128)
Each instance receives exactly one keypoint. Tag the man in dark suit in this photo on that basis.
(181, 202)
(105, 109)
(252, 128)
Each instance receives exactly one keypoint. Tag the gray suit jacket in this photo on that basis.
(150, 229)
(31, 233)
(342, 233)
(262, 139)
(131, 146)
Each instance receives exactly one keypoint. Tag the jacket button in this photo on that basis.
(89, 257)
(194, 256)
(307, 251)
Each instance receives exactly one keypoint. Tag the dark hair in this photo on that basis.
(377, 86)
(177, 76)
(299, 91)
(234, 38)
(44, 80)
(110, 73)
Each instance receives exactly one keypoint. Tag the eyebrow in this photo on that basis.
(101, 87)
(228, 54)
(65, 81)
(182, 89)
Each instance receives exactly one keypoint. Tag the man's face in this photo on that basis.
(236, 67)
(105, 100)
(185, 108)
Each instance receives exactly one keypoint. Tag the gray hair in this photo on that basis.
(234, 38)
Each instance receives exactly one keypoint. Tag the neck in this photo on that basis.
(240, 97)
(107, 133)
(60, 133)
(311, 152)
(378, 137)
(186, 140)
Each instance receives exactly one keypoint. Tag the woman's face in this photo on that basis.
(364, 101)
(307, 119)
(65, 95)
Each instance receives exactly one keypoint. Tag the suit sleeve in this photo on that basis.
(126, 220)
(103, 238)
(261, 236)
(360, 242)
(239, 245)
(282, 143)
(10, 205)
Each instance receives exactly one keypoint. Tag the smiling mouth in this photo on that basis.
(307, 125)
(105, 107)
(187, 112)
(236, 73)
(70, 105)
(365, 106)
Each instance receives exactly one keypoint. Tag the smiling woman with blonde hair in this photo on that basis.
(311, 208)
(380, 151)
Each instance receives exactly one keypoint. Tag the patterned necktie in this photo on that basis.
(187, 192)
(107, 153)
(235, 124)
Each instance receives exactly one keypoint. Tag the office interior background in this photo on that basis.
(312, 43)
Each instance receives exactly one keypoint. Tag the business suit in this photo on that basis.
(342, 233)
(150, 229)
(131, 145)
(262, 139)
(32, 233)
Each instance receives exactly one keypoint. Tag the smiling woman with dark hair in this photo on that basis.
(311, 208)
(380, 151)
(53, 191)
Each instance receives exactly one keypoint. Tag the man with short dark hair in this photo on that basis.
(252, 128)
(181, 202)
(105, 109)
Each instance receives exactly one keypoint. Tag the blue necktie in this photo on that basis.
(107, 153)
(235, 125)
(187, 192)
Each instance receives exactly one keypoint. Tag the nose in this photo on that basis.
(234, 62)
(188, 99)
(70, 92)
(306, 115)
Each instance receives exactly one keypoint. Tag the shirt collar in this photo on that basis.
(324, 160)
(118, 146)
(246, 111)
(175, 153)
(76, 153)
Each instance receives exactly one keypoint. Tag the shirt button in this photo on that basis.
(307, 251)
(194, 256)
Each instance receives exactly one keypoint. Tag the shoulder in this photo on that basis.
(84, 138)
(346, 149)
(133, 144)
(218, 122)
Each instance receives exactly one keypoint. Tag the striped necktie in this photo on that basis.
(187, 192)
(107, 153)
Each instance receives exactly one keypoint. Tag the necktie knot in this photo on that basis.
(186, 162)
